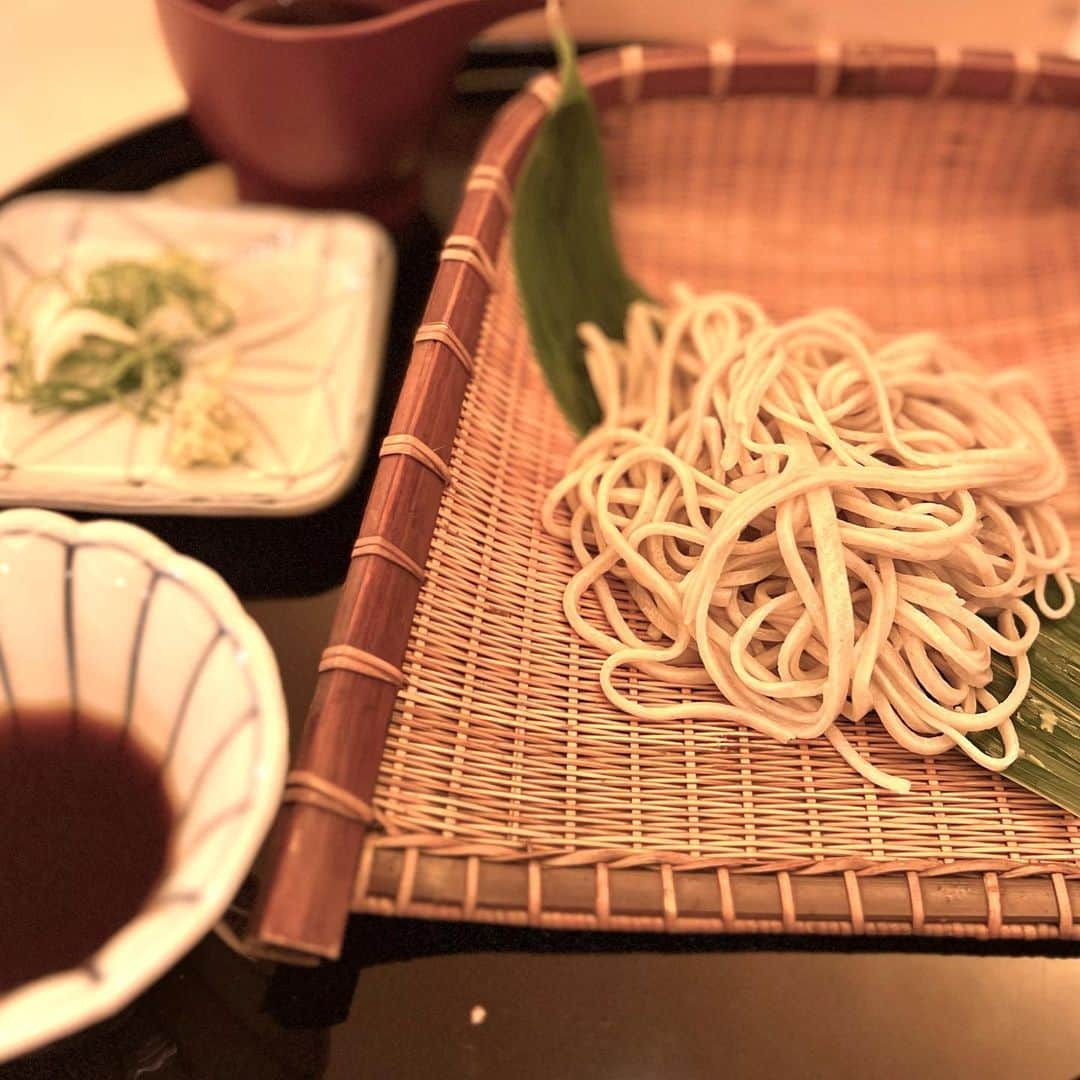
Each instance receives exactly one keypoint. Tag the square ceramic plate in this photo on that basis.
(311, 293)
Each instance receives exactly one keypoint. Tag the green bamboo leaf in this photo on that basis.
(1048, 720)
(565, 258)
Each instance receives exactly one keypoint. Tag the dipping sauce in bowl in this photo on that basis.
(143, 749)
(85, 823)
(303, 12)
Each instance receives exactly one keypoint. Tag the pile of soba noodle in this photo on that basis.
(820, 522)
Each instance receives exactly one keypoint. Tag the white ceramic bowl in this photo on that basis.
(204, 676)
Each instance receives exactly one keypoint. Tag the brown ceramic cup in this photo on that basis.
(324, 116)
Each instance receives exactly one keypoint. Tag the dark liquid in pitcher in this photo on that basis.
(84, 838)
(303, 12)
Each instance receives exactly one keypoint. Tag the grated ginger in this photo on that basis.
(208, 428)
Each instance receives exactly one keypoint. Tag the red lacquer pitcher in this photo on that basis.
(328, 115)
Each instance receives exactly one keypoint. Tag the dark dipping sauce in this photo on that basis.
(303, 12)
(84, 837)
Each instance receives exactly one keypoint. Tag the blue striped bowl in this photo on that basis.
(106, 619)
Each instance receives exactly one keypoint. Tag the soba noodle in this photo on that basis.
(820, 523)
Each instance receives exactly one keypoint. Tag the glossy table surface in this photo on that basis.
(412, 999)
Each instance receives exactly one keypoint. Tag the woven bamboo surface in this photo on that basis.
(922, 191)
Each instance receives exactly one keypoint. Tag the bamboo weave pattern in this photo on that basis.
(922, 213)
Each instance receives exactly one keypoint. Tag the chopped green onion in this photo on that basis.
(140, 376)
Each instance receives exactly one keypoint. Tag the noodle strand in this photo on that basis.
(818, 523)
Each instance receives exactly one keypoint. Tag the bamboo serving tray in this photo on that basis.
(460, 760)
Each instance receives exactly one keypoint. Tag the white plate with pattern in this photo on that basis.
(311, 293)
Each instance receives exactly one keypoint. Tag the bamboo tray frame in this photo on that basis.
(366, 849)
